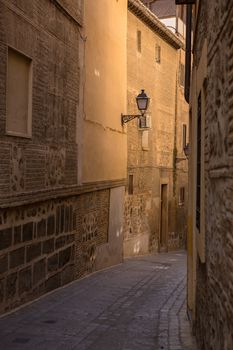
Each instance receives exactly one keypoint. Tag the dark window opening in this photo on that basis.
(158, 53)
(182, 195)
(198, 180)
(184, 136)
(139, 41)
(182, 74)
(130, 185)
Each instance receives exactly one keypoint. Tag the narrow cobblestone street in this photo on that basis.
(138, 305)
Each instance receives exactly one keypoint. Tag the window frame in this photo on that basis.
(181, 195)
(130, 185)
(184, 136)
(9, 132)
(139, 41)
(157, 53)
(198, 162)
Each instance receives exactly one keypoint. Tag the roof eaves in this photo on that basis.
(144, 14)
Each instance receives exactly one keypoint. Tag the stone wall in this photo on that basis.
(44, 246)
(92, 215)
(36, 250)
(151, 157)
(214, 301)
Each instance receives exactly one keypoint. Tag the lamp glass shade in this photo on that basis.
(142, 101)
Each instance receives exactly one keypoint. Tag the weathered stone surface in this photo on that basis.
(67, 275)
(3, 263)
(53, 282)
(25, 280)
(41, 228)
(17, 257)
(48, 246)
(5, 238)
(11, 284)
(62, 218)
(52, 264)
(28, 232)
(64, 256)
(60, 242)
(33, 251)
(39, 271)
(214, 277)
(67, 219)
(2, 290)
(50, 225)
(17, 234)
(58, 217)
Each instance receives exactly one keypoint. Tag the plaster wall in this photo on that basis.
(104, 90)
(112, 252)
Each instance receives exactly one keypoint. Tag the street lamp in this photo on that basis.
(142, 101)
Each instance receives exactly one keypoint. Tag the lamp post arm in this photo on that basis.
(125, 118)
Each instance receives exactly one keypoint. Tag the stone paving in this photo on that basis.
(138, 305)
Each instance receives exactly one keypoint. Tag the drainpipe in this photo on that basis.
(188, 51)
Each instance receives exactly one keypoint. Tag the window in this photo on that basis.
(130, 185)
(19, 94)
(139, 41)
(184, 136)
(157, 53)
(181, 196)
(182, 75)
(198, 165)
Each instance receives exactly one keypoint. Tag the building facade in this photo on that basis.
(210, 237)
(61, 191)
(156, 193)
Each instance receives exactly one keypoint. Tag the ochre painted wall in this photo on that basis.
(104, 144)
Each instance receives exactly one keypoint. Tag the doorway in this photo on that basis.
(163, 246)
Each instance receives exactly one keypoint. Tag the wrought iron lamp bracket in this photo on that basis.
(125, 118)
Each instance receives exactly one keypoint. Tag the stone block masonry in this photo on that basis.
(36, 251)
(47, 245)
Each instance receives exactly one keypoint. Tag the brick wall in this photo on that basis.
(45, 33)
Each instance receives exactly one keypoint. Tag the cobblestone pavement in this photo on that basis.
(139, 305)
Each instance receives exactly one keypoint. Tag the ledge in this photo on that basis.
(57, 193)
(67, 13)
(153, 22)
